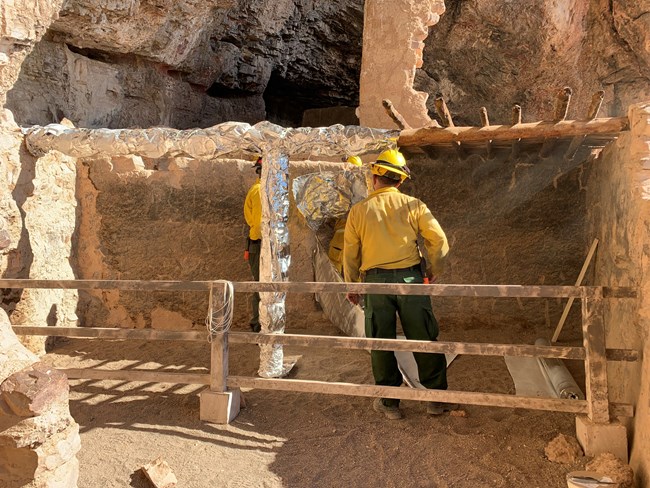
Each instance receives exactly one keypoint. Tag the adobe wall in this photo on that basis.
(173, 220)
(619, 215)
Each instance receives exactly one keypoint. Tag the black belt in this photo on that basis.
(254, 241)
(415, 267)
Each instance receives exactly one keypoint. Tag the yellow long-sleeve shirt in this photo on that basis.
(382, 231)
(253, 211)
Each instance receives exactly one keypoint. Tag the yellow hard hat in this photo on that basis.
(356, 160)
(391, 163)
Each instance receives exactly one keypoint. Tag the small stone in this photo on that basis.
(563, 449)
(160, 474)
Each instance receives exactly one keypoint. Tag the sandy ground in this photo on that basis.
(302, 440)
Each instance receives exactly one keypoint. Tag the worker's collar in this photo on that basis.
(386, 189)
(258, 180)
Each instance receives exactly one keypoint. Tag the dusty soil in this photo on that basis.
(302, 440)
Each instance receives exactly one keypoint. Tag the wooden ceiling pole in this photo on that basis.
(516, 120)
(447, 121)
(485, 122)
(561, 109)
(594, 108)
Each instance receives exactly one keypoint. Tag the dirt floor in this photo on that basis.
(302, 440)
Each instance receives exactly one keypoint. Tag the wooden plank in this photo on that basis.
(351, 389)
(503, 291)
(581, 275)
(566, 128)
(153, 376)
(113, 333)
(358, 343)
(447, 396)
(596, 360)
(369, 344)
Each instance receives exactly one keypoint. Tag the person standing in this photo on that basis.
(253, 217)
(381, 247)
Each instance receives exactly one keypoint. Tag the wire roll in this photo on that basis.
(222, 296)
(558, 375)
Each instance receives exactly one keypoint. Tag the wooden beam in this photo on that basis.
(581, 275)
(593, 330)
(351, 389)
(516, 120)
(592, 113)
(561, 109)
(535, 130)
(485, 122)
(503, 291)
(443, 111)
(562, 103)
(395, 115)
(358, 343)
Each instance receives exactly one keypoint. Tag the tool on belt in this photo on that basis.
(247, 253)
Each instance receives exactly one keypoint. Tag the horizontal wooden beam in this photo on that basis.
(499, 291)
(351, 389)
(339, 342)
(536, 130)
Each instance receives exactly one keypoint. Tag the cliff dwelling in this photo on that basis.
(130, 135)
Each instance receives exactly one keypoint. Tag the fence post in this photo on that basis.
(218, 404)
(595, 432)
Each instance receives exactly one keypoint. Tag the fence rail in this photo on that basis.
(593, 353)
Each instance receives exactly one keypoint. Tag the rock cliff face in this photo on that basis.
(196, 63)
(200, 63)
(494, 54)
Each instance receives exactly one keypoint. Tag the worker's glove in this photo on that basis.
(354, 298)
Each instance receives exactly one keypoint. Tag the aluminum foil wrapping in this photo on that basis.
(275, 257)
(224, 140)
(328, 194)
(231, 139)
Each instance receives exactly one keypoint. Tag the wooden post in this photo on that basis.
(561, 109)
(593, 330)
(218, 404)
(447, 121)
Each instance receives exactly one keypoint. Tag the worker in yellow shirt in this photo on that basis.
(253, 216)
(381, 247)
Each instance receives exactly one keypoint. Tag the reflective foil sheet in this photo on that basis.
(275, 258)
(328, 194)
(224, 140)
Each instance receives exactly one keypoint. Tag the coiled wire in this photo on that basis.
(219, 320)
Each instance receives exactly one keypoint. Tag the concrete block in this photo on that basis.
(220, 407)
(596, 438)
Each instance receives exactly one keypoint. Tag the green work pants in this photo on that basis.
(418, 323)
(254, 250)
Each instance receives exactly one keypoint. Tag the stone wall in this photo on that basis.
(39, 439)
(619, 215)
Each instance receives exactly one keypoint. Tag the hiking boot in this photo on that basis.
(390, 412)
(255, 327)
(438, 408)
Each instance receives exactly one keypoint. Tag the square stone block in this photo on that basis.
(220, 407)
(596, 438)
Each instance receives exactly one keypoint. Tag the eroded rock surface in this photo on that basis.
(39, 439)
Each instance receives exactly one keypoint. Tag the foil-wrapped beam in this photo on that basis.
(328, 194)
(276, 144)
(220, 141)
